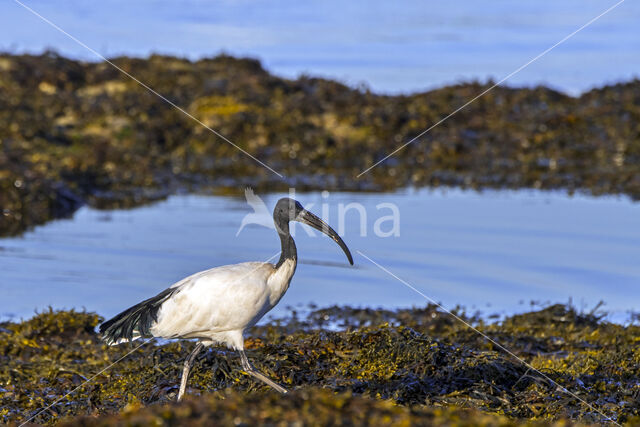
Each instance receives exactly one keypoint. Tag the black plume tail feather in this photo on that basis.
(134, 322)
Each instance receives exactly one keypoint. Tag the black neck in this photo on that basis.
(289, 250)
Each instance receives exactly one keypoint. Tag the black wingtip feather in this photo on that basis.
(135, 321)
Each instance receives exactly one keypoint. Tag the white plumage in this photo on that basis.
(217, 306)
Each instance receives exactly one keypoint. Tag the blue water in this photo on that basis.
(391, 46)
(494, 251)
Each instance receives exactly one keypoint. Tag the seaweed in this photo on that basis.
(75, 132)
(344, 365)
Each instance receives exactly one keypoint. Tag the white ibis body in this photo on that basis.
(217, 306)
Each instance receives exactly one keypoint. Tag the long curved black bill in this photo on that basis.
(306, 217)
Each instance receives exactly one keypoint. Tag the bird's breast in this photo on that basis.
(279, 281)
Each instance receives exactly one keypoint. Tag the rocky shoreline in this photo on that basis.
(343, 365)
(74, 132)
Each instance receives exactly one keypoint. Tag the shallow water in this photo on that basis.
(493, 251)
(392, 46)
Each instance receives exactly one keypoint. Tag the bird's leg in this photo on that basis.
(249, 369)
(187, 367)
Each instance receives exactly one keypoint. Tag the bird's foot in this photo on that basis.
(249, 369)
(258, 375)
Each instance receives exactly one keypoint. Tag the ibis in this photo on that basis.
(217, 306)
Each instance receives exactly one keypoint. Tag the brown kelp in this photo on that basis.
(75, 132)
(345, 365)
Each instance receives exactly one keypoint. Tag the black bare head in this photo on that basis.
(287, 210)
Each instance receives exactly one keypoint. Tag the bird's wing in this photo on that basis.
(197, 301)
(135, 322)
(220, 299)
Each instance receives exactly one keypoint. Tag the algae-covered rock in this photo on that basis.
(311, 406)
(343, 365)
(108, 141)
